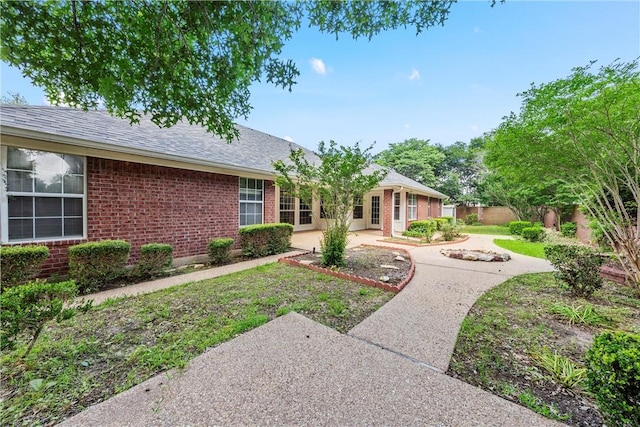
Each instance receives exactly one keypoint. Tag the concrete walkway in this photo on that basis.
(293, 371)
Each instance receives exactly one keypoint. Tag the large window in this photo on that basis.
(396, 206)
(45, 195)
(358, 209)
(306, 215)
(287, 208)
(412, 201)
(251, 201)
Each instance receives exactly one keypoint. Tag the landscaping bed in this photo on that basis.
(516, 325)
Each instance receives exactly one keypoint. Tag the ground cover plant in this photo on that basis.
(123, 342)
(534, 249)
(527, 339)
(497, 230)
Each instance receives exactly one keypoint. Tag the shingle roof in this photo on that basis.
(253, 150)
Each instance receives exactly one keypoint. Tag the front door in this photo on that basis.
(374, 217)
(398, 213)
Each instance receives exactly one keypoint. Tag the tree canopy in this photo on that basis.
(175, 60)
(413, 158)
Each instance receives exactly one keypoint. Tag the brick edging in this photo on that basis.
(359, 279)
(425, 245)
(613, 274)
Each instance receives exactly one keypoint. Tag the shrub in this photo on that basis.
(18, 264)
(515, 227)
(450, 232)
(95, 264)
(533, 234)
(569, 229)
(219, 250)
(333, 245)
(450, 219)
(265, 239)
(154, 259)
(423, 229)
(26, 308)
(577, 266)
(613, 375)
(470, 219)
(441, 222)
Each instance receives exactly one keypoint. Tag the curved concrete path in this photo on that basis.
(293, 371)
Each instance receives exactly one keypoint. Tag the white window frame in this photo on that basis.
(253, 202)
(397, 205)
(358, 202)
(4, 202)
(412, 206)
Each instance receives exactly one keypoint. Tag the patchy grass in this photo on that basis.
(495, 230)
(534, 249)
(125, 341)
(515, 344)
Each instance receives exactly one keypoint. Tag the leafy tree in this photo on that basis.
(583, 131)
(413, 158)
(461, 172)
(13, 98)
(339, 176)
(175, 60)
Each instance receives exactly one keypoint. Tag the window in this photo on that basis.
(323, 212)
(251, 201)
(45, 195)
(396, 206)
(306, 215)
(358, 210)
(412, 200)
(287, 208)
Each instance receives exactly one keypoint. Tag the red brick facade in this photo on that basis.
(387, 216)
(154, 204)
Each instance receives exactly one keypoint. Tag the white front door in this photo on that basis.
(398, 212)
(373, 214)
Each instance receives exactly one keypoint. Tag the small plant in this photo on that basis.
(19, 264)
(561, 368)
(613, 371)
(27, 308)
(424, 229)
(528, 399)
(154, 259)
(471, 219)
(219, 250)
(450, 232)
(577, 266)
(441, 222)
(333, 246)
(569, 229)
(515, 227)
(580, 314)
(533, 234)
(95, 264)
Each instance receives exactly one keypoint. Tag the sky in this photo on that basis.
(450, 83)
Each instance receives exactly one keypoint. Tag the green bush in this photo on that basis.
(154, 259)
(613, 375)
(423, 229)
(515, 227)
(569, 229)
(470, 219)
(577, 266)
(19, 264)
(440, 222)
(219, 250)
(94, 264)
(450, 219)
(25, 309)
(533, 234)
(450, 232)
(265, 239)
(333, 245)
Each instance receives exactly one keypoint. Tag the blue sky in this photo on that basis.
(450, 83)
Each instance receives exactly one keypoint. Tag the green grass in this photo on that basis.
(495, 230)
(125, 341)
(534, 249)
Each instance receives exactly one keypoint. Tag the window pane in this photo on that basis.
(287, 217)
(18, 158)
(48, 227)
(20, 207)
(48, 206)
(305, 217)
(49, 184)
(72, 207)
(19, 181)
(243, 208)
(73, 227)
(357, 212)
(73, 184)
(75, 164)
(20, 229)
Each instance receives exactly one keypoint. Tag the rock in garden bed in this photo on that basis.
(475, 255)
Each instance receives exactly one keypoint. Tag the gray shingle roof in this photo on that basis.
(253, 150)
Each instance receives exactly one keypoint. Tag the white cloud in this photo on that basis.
(407, 126)
(415, 75)
(288, 138)
(477, 30)
(318, 66)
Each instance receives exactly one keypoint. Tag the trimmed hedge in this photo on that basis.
(515, 227)
(569, 229)
(154, 259)
(613, 375)
(265, 239)
(95, 264)
(219, 250)
(533, 234)
(577, 266)
(422, 229)
(441, 222)
(449, 218)
(19, 264)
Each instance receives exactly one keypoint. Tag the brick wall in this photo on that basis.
(144, 204)
(490, 215)
(436, 205)
(387, 215)
(423, 208)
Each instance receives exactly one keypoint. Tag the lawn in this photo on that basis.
(522, 342)
(495, 230)
(123, 342)
(534, 249)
